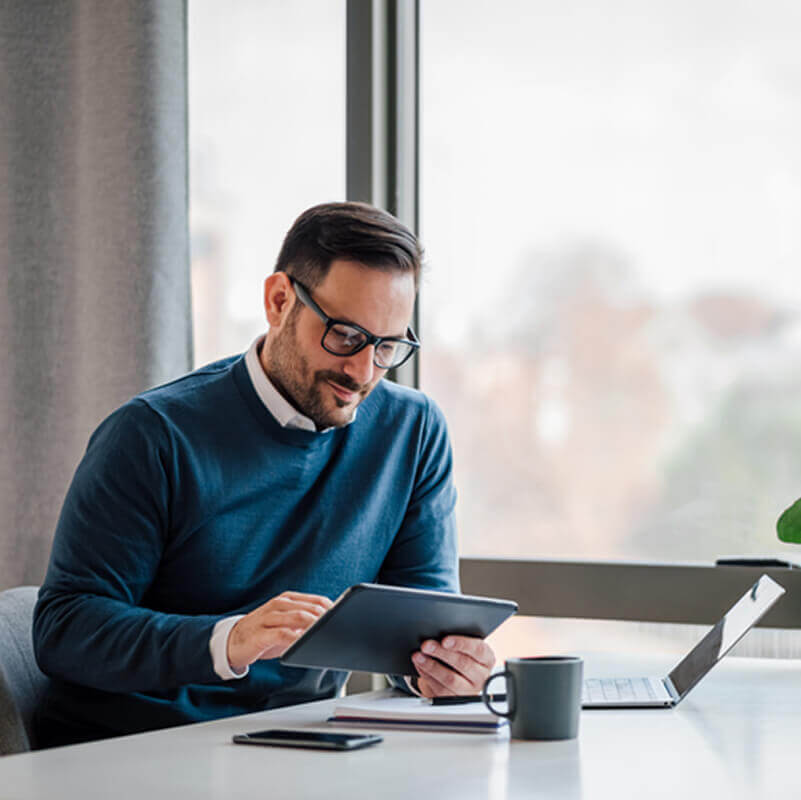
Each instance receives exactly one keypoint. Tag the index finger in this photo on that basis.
(289, 604)
(318, 599)
(471, 646)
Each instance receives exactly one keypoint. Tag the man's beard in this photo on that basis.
(289, 372)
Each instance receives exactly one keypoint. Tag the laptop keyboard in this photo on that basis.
(617, 690)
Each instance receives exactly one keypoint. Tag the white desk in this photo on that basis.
(737, 735)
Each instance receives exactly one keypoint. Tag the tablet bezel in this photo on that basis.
(363, 645)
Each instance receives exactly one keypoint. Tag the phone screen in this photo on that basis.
(297, 738)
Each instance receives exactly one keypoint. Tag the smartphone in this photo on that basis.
(318, 741)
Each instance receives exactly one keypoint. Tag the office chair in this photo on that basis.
(22, 683)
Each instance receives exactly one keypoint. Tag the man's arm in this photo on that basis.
(424, 555)
(89, 626)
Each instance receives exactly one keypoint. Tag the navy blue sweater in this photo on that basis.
(192, 504)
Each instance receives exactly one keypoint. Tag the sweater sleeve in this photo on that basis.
(90, 626)
(424, 554)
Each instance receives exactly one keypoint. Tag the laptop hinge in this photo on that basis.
(671, 689)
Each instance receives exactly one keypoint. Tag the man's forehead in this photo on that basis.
(367, 296)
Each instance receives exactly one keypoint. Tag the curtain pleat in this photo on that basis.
(94, 253)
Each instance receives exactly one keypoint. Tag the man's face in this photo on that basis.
(324, 387)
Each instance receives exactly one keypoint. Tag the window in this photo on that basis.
(611, 322)
(609, 202)
(266, 141)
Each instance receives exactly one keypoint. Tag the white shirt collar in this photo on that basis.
(286, 415)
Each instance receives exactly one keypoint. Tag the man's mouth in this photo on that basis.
(344, 394)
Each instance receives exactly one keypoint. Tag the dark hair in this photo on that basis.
(350, 231)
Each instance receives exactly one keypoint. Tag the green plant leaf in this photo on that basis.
(788, 526)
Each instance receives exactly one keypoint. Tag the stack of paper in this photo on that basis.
(414, 713)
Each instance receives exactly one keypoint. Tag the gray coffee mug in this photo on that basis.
(544, 695)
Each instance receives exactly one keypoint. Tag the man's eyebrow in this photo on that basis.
(349, 321)
(359, 325)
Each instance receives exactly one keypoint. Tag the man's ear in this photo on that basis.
(279, 299)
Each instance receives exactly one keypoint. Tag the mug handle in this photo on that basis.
(488, 703)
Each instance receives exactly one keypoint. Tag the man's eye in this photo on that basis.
(343, 335)
(344, 338)
(386, 350)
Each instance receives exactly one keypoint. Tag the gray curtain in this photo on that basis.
(94, 304)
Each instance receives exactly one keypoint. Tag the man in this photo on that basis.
(212, 519)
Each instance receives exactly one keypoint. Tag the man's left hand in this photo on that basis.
(457, 665)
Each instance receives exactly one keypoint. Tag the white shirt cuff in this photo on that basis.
(218, 646)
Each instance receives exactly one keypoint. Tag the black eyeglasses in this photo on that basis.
(346, 339)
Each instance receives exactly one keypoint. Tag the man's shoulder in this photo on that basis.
(191, 391)
(393, 401)
(390, 395)
(200, 392)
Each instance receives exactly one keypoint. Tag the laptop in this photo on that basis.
(671, 690)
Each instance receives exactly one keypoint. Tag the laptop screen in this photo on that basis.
(734, 625)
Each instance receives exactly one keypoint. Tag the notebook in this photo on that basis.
(666, 692)
(384, 710)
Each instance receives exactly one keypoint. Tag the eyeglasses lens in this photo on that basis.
(342, 340)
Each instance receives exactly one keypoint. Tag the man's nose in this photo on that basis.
(360, 365)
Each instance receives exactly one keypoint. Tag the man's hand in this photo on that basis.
(269, 629)
(469, 663)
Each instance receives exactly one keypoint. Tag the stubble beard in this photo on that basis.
(291, 375)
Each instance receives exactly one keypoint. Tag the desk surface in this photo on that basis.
(737, 735)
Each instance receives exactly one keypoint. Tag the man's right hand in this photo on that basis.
(269, 629)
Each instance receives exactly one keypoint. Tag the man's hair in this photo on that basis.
(349, 231)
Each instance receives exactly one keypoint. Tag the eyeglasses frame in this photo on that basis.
(370, 339)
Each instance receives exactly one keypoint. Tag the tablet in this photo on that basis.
(373, 628)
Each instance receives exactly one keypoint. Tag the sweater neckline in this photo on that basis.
(296, 437)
